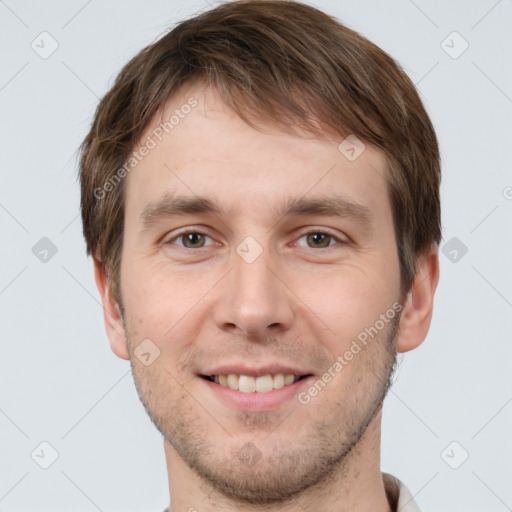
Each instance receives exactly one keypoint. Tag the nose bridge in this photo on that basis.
(253, 279)
(253, 298)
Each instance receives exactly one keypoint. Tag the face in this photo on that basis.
(258, 255)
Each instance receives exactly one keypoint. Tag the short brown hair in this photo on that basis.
(284, 63)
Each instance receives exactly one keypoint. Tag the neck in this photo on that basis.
(356, 484)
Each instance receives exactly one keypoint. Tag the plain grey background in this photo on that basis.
(447, 419)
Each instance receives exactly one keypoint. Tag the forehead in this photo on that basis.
(198, 146)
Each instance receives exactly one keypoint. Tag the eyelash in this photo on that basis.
(311, 232)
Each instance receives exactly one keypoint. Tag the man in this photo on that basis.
(260, 194)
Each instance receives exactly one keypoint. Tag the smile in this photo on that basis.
(250, 384)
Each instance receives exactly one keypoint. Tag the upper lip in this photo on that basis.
(254, 371)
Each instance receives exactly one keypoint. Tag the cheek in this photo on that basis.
(161, 309)
(350, 297)
(151, 301)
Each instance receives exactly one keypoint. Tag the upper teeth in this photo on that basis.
(249, 384)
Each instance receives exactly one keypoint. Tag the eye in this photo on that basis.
(319, 239)
(190, 239)
(197, 240)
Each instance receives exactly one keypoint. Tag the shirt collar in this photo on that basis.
(399, 496)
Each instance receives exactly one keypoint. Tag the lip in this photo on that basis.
(256, 401)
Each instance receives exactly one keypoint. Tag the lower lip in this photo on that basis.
(256, 401)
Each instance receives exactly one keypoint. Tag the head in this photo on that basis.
(300, 160)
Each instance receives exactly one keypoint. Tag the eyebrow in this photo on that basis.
(327, 205)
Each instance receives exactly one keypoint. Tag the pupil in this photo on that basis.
(319, 238)
(193, 238)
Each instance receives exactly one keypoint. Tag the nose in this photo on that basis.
(254, 299)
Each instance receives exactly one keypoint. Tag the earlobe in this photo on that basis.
(417, 313)
(111, 313)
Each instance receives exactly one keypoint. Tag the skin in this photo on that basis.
(298, 303)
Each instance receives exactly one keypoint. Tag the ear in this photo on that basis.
(417, 312)
(111, 314)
